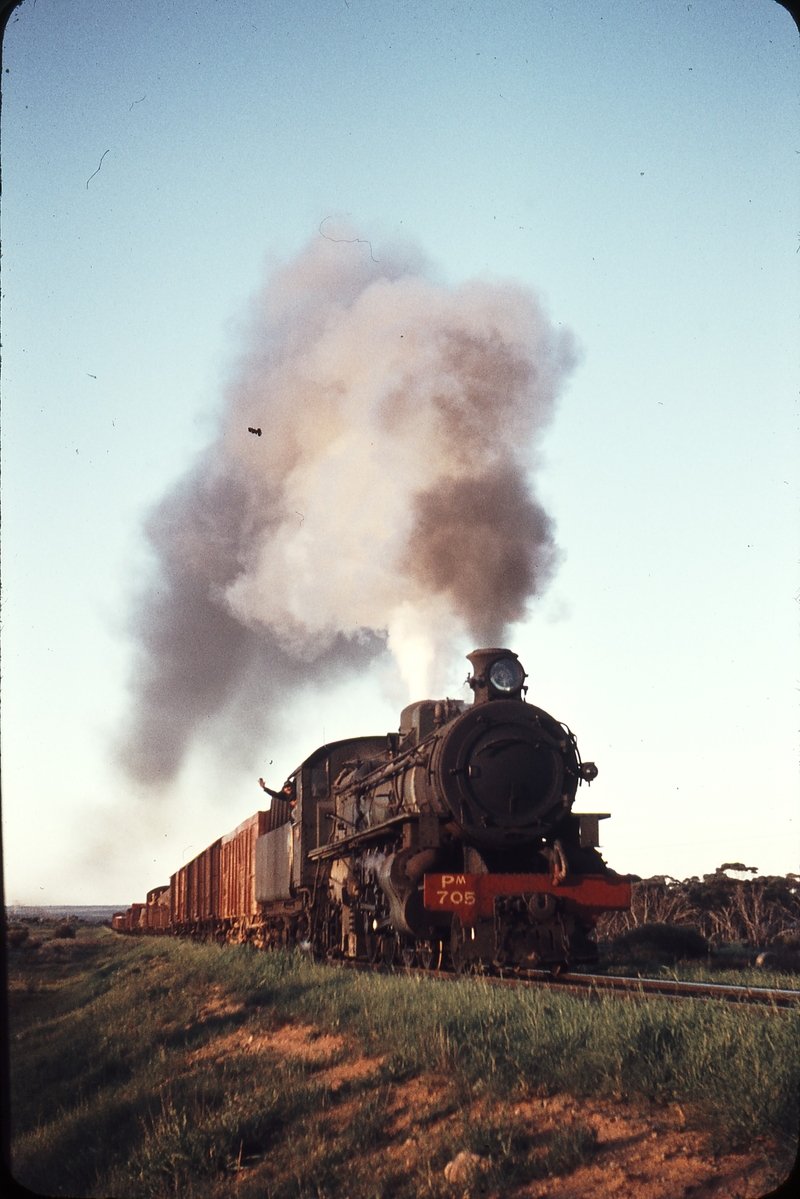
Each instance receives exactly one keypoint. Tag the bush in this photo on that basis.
(785, 960)
(670, 942)
(723, 908)
(64, 932)
(16, 936)
(789, 939)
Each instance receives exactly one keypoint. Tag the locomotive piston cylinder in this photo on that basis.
(399, 875)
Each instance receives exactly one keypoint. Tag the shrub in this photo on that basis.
(672, 942)
(785, 960)
(789, 939)
(16, 936)
(726, 909)
(64, 932)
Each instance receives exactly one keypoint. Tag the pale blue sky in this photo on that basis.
(634, 163)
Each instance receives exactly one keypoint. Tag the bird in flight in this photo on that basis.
(256, 431)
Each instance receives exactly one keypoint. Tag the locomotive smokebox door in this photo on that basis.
(507, 772)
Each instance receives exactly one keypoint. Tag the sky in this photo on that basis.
(177, 181)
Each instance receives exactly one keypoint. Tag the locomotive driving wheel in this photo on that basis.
(325, 933)
(459, 949)
(430, 954)
(389, 947)
(463, 953)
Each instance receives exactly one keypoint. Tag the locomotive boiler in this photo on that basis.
(451, 842)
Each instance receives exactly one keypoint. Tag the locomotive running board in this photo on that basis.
(472, 896)
(339, 849)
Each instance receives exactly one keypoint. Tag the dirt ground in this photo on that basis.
(643, 1152)
(647, 1154)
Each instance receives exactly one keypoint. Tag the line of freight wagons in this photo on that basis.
(217, 894)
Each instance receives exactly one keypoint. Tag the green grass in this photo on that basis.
(717, 971)
(108, 1100)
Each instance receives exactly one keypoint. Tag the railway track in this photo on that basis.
(582, 984)
(598, 984)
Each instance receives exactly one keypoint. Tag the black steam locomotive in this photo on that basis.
(451, 842)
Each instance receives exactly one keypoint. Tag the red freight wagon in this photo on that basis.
(135, 923)
(194, 891)
(237, 893)
(157, 912)
(177, 896)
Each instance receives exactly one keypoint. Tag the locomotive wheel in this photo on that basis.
(425, 954)
(302, 931)
(389, 947)
(408, 952)
(502, 961)
(458, 946)
(327, 933)
(430, 954)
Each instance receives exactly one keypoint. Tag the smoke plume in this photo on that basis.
(386, 504)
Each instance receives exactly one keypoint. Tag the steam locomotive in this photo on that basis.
(449, 843)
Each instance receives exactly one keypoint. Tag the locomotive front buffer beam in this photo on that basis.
(473, 897)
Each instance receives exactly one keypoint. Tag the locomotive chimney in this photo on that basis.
(497, 674)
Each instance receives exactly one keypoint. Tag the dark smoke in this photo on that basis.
(486, 545)
(196, 660)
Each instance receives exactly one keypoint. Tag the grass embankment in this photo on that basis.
(156, 1067)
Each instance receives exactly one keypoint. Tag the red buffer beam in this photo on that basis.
(472, 896)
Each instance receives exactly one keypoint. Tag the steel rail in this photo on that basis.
(595, 984)
(669, 988)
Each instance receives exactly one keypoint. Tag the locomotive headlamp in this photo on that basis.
(506, 675)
